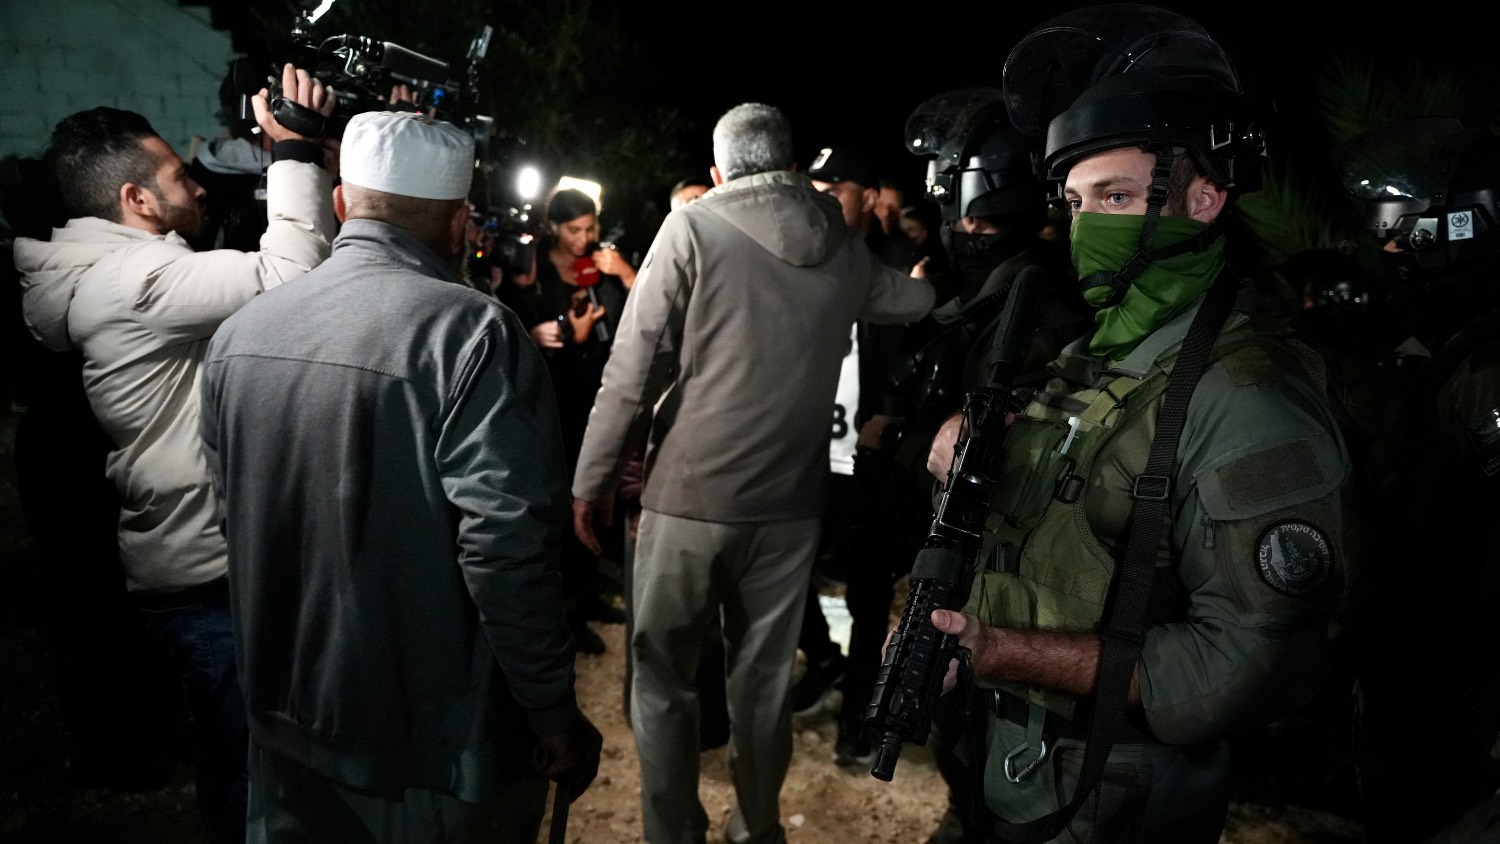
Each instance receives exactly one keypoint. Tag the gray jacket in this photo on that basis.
(386, 444)
(729, 351)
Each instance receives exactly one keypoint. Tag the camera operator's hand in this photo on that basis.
(571, 758)
(401, 95)
(297, 86)
(547, 335)
(611, 262)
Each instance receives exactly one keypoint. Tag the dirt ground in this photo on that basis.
(1289, 793)
(820, 803)
(1292, 790)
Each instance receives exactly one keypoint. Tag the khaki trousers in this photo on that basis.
(686, 571)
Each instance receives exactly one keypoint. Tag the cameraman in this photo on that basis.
(120, 283)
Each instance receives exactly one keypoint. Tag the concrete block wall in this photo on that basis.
(156, 57)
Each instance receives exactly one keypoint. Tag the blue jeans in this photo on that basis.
(195, 629)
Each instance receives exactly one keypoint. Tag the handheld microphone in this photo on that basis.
(588, 278)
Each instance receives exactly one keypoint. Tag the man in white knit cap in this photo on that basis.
(386, 446)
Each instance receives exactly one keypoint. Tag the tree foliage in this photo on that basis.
(1303, 206)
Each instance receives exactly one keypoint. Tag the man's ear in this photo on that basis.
(715, 175)
(340, 210)
(1205, 200)
(871, 197)
(458, 225)
(138, 202)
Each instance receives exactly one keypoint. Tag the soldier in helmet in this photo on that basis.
(1431, 187)
(993, 207)
(1167, 538)
(982, 182)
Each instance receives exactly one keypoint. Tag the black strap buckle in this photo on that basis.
(1152, 488)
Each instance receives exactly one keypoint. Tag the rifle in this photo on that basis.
(917, 656)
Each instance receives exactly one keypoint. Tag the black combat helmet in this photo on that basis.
(1118, 75)
(1432, 186)
(981, 166)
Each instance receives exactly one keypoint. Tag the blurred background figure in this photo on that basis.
(889, 201)
(686, 191)
(1431, 190)
(232, 170)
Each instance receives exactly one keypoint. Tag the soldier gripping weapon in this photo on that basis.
(917, 657)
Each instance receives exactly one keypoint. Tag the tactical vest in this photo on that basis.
(1058, 485)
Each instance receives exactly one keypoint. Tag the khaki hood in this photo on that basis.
(783, 213)
(52, 269)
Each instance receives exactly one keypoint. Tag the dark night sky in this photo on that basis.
(851, 73)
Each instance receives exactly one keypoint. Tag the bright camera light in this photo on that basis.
(593, 189)
(528, 182)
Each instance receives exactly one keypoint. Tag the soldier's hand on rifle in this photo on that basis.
(971, 634)
(940, 456)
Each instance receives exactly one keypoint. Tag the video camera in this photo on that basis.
(362, 71)
(508, 223)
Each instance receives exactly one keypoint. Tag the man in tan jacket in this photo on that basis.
(729, 351)
(120, 283)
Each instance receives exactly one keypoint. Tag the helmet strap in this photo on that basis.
(1119, 281)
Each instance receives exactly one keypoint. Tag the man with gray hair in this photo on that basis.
(385, 442)
(728, 353)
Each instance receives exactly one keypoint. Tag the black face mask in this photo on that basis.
(975, 256)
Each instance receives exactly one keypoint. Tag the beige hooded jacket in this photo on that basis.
(141, 308)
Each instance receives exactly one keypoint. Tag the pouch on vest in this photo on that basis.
(1032, 470)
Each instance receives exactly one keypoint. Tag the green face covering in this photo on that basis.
(1166, 289)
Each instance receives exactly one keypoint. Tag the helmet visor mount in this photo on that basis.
(1118, 75)
(1429, 186)
(980, 166)
(1112, 76)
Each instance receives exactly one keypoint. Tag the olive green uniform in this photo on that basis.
(1249, 568)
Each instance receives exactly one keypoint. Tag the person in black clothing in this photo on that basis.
(993, 210)
(232, 170)
(870, 531)
(575, 309)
